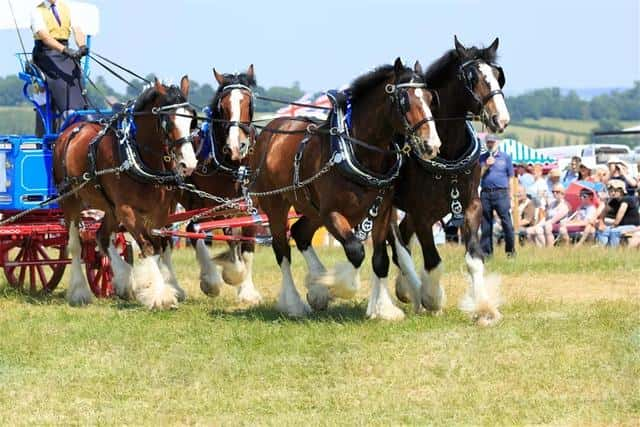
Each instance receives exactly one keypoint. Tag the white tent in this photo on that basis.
(521, 153)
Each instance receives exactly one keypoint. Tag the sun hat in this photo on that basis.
(617, 160)
(588, 163)
(617, 184)
(555, 172)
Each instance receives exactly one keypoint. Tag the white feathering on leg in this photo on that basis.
(247, 291)
(210, 280)
(289, 301)
(407, 282)
(433, 294)
(481, 300)
(149, 285)
(79, 292)
(381, 305)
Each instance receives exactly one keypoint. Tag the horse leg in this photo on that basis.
(210, 279)
(121, 270)
(233, 268)
(289, 301)
(168, 273)
(302, 232)
(149, 286)
(481, 301)
(407, 281)
(247, 291)
(381, 305)
(79, 292)
(432, 293)
(343, 280)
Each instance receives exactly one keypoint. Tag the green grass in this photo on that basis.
(17, 120)
(567, 352)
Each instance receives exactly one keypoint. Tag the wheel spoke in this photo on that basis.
(43, 276)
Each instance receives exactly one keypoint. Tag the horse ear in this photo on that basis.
(219, 77)
(160, 87)
(184, 86)
(398, 66)
(250, 73)
(417, 68)
(494, 46)
(459, 47)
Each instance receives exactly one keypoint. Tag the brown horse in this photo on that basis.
(154, 139)
(347, 179)
(225, 146)
(467, 80)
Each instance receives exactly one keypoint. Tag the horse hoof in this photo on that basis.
(210, 289)
(251, 297)
(402, 292)
(81, 298)
(294, 310)
(318, 297)
(489, 319)
(387, 312)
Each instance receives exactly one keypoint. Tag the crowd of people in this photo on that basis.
(604, 208)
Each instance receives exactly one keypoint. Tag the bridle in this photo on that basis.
(468, 74)
(400, 97)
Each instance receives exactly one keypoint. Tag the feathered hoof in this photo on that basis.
(388, 312)
(318, 297)
(294, 309)
(403, 293)
(209, 288)
(80, 297)
(181, 295)
(249, 296)
(487, 316)
(153, 300)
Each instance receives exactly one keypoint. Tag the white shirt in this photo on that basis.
(37, 22)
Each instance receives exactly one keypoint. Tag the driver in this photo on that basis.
(52, 22)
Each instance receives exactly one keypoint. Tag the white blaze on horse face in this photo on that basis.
(233, 139)
(434, 139)
(187, 155)
(502, 113)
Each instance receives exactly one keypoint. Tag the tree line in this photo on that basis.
(607, 109)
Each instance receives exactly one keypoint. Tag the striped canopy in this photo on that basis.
(520, 153)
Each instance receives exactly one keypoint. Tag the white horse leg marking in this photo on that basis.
(247, 291)
(317, 294)
(210, 280)
(79, 292)
(407, 282)
(381, 305)
(121, 271)
(481, 302)
(342, 281)
(166, 268)
(149, 286)
(433, 295)
(289, 301)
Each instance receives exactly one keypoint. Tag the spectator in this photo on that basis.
(553, 178)
(525, 175)
(618, 169)
(586, 169)
(581, 218)
(538, 190)
(496, 174)
(526, 211)
(600, 178)
(542, 232)
(620, 215)
(571, 174)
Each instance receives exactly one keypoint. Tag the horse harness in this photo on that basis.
(468, 74)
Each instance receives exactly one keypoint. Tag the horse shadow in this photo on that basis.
(340, 313)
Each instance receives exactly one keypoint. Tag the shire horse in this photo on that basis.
(346, 181)
(224, 148)
(467, 80)
(153, 136)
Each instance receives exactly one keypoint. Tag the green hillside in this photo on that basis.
(17, 120)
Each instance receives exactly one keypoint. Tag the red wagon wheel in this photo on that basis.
(35, 261)
(98, 266)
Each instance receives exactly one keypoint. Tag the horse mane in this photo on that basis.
(149, 94)
(443, 68)
(231, 79)
(363, 84)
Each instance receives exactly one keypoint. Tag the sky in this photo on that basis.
(325, 44)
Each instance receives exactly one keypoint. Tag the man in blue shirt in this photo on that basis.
(497, 171)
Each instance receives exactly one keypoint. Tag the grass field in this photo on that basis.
(566, 353)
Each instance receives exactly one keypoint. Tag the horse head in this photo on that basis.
(174, 121)
(483, 79)
(232, 106)
(412, 102)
